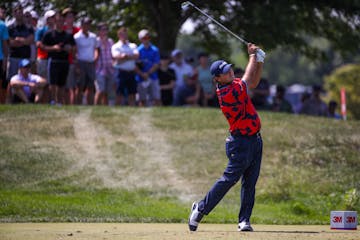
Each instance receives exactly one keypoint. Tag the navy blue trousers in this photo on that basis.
(244, 154)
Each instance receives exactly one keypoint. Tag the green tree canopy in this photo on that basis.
(269, 23)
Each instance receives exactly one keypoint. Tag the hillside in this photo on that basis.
(148, 165)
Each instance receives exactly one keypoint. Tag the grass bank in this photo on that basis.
(102, 164)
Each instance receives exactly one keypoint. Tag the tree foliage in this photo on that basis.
(347, 77)
(269, 23)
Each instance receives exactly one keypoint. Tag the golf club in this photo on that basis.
(185, 6)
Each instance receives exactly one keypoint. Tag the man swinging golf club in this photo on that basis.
(243, 146)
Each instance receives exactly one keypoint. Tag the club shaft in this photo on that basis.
(222, 26)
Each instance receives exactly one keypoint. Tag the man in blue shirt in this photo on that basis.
(147, 79)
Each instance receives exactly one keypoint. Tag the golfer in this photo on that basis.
(243, 146)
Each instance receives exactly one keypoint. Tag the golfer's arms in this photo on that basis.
(253, 72)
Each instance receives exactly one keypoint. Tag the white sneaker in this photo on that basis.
(195, 217)
(245, 226)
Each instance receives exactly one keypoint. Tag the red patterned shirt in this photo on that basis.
(238, 108)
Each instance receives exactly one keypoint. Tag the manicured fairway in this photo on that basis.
(109, 231)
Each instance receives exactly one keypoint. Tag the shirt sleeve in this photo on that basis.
(244, 84)
(45, 39)
(38, 35)
(35, 78)
(114, 51)
(4, 32)
(71, 40)
(135, 49)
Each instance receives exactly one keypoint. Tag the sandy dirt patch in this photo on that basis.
(109, 231)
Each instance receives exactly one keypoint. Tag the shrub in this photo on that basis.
(347, 77)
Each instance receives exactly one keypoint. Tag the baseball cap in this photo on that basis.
(34, 14)
(86, 20)
(220, 67)
(67, 10)
(143, 33)
(176, 52)
(49, 14)
(24, 63)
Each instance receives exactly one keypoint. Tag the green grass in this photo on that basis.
(48, 173)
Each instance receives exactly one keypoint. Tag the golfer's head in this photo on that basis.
(222, 72)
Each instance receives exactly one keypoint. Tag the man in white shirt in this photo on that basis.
(26, 87)
(125, 55)
(183, 71)
(87, 54)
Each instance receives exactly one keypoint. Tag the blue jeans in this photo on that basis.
(244, 154)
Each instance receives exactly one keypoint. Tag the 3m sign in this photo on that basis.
(344, 220)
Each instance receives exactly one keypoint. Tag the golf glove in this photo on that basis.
(260, 55)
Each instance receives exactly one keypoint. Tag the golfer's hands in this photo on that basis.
(254, 50)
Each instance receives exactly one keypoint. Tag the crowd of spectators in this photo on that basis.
(61, 63)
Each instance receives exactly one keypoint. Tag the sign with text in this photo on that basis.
(343, 220)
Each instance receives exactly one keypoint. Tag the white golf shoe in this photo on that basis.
(245, 226)
(195, 217)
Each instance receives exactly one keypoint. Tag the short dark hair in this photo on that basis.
(121, 29)
(203, 54)
(164, 56)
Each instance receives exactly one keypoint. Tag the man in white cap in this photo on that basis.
(87, 54)
(41, 53)
(182, 70)
(147, 79)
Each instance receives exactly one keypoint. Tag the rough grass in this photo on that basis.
(103, 164)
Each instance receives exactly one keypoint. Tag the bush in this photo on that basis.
(347, 77)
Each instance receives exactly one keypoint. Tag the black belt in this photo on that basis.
(246, 136)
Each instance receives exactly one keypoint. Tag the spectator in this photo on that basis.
(280, 104)
(188, 94)
(332, 110)
(104, 82)
(26, 87)
(58, 44)
(166, 80)
(87, 54)
(260, 95)
(148, 82)
(21, 37)
(125, 54)
(32, 20)
(314, 105)
(299, 106)
(208, 91)
(2, 13)
(182, 70)
(71, 85)
(4, 37)
(42, 55)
